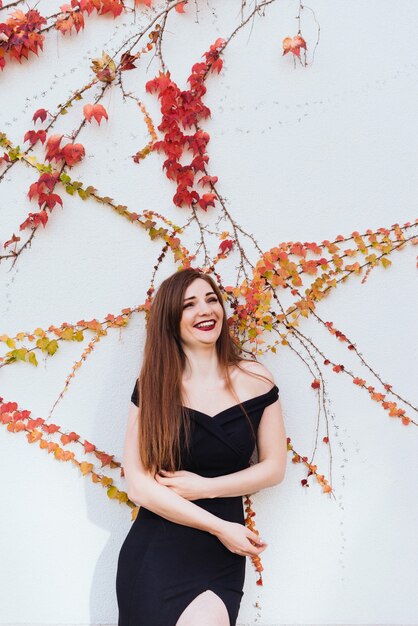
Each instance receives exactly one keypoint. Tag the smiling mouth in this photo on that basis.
(209, 325)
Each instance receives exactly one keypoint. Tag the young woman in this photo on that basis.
(198, 412)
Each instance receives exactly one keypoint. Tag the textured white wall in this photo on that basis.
(301, 154)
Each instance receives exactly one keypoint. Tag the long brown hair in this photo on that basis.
(162, 416)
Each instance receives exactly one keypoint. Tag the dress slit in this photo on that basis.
(197, 595)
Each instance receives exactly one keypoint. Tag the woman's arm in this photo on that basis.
(269, 471)
(271, 467)
(144, 490)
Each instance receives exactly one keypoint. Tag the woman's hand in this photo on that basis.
(240, 539)
(186, 484)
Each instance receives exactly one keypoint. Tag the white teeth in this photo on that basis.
(203, 324)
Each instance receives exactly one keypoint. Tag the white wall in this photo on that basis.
(301, 154)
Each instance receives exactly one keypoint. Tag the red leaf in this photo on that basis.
(180, 7)
(159, 84)
(127, 62)
(53, 150)
(208, 180)
(73, 153)
(8, 407)
(226, 245)
(217, 65)
(49, 180)
(207, 200)
(49, 200)
(33, 136)
(41, 114)
(111, 6)
(218, 43)
(14, 239)
(104, 458)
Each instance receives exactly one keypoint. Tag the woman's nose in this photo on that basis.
(204, 307)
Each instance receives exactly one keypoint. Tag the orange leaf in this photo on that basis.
(359, 381)
(94, 110)
(88, 447)
(293, 44)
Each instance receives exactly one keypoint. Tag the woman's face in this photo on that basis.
(200, 304)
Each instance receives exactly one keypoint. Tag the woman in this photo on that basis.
(183, 560)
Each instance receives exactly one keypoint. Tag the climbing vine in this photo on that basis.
(306, 272)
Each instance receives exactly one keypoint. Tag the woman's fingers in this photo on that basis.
(164, 480)
(253, 537)
(257, 545)
(251, 552)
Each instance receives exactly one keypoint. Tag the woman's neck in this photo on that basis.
(202, 364)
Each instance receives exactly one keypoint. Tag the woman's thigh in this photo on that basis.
(207, 609)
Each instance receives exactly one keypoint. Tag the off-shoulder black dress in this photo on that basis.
(162, 565)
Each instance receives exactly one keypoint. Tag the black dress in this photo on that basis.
(162, 565)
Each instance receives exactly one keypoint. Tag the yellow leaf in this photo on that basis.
(104, 68)
(21, 354)
(134, 513)
(123, 496)
(86, 468)
(385, 262)
(67, 333)
(112, 492)
(32, 358)
(52, 347)
(42, 343)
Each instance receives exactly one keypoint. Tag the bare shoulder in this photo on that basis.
(253, 378)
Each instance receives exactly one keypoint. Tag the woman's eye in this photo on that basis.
(191, 303)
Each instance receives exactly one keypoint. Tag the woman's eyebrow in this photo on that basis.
(206, 294)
